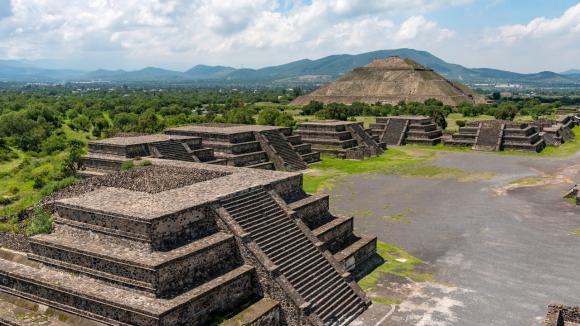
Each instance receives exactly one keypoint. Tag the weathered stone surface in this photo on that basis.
(343, 139)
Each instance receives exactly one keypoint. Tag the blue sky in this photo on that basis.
(525, 36)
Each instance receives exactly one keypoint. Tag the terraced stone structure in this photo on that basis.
(556, 132)
(108, 155)
(344, 139)
(496, 135)
(400, 130)
(215, 241)
(390, 81)
(561, 315)
(263, 147)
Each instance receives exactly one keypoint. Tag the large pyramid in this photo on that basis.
(391, 81)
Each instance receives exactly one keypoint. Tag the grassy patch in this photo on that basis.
(576, 232)
(40, 222)
(410, 162)
(386, 300)
(397, 262)
(569, 148)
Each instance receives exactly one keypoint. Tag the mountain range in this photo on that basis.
(304, 71)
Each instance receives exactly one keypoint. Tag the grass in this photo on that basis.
(30, 177)
(325, 174)
(576, 232)
(569, 148)
(39, 222)
(398, 262)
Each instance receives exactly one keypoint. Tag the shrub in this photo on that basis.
(144, 163)
(268, 116)
(460, 123)
(127, 165)
(285, 119)
(40, 221)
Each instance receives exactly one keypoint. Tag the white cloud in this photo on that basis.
(185, 32)
(566, 25)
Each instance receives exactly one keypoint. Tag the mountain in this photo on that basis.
(303, 71)
(208, 72)
(571, 72)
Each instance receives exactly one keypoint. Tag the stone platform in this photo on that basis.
(263, 147)
(247, 244)
(561, 315)
(108, 155)
(556, 132)
(343, 139)
(497, 135)
(400, 130)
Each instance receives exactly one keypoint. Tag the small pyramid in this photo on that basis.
(390, 81)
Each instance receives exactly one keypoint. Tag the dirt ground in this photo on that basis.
(499, 249)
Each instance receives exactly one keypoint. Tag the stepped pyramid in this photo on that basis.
(390, 81)
(497, 135)
(399, 130)
(343, 139)
(262, 147)
(185, 243)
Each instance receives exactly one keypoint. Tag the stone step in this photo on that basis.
(311, 157)
(158, 272)
(266, 312)
(90, 298)
(234, 148)
(264, 166)
(304, 263)
(335, 231)
(245, 159)
(312, 210)
(330, 142)
(329, 135)
(302, 148)
(123, 225)
(357, 253)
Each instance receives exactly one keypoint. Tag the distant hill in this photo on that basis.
(208, 72)
(302, 71)
(571, 72)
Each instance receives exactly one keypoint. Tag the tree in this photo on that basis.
(73, 160)
(240, 116)
(149, 122)
(285, 119)
(268, 116)
(506, 111)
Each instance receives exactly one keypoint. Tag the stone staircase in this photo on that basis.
(489, 137)
(290, 159)
(312, 273)
(172, 150)
(394, 131)
(363, 138)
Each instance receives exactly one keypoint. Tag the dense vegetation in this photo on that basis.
(44, 130)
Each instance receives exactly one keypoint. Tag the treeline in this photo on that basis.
(505, 110)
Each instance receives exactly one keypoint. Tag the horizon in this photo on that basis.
(507, 35)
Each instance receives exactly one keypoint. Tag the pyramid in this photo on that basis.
(390, 81)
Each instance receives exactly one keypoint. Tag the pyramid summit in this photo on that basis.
(390, 81)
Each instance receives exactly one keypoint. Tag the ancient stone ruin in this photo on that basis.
(496, 135)
(574, 194)
(560, 315)
(556, 132)
(400, 130)
(344, 139)
(156, 247)
(390, 81)
(263, 147)
(108, 155)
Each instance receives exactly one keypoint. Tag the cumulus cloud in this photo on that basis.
(566, 25)
(243, 31)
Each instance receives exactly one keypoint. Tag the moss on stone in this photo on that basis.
(397, 262)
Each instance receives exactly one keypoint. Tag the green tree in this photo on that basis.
(149, 122)
(268, 116)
